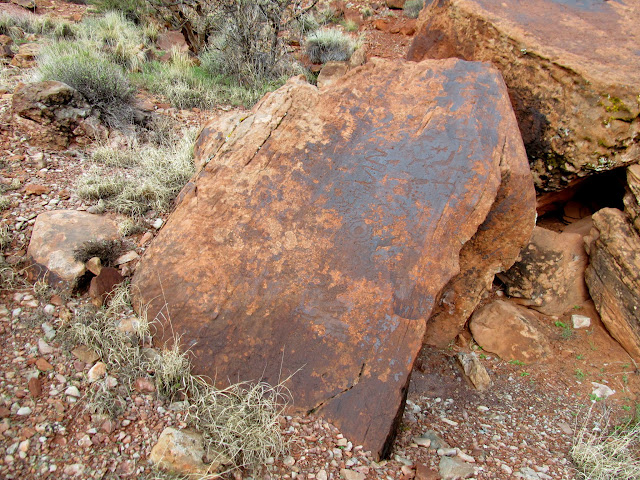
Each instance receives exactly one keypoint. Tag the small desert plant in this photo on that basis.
(130, 226)
(350, 26)
(601, 452)
(240, 422)
(102, 82)
(5, 202)
(329, 44)
(150, 176)
(6, 236)
(184, 84)
(412, 8)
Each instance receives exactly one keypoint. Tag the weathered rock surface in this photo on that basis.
(613, 276)
(331, 72)
(181, 451)
(474, 370)
(26, 56)
(549, 276)
(632, 197)
(103, 285)
(54, 115)
(509, 331)
(56, 235)
(572, 68)
(321, 229)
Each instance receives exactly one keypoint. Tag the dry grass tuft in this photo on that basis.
(239, 423)
(602, 452)
(147, 177)
(107, 250)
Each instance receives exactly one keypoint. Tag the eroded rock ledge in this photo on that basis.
(572, 68)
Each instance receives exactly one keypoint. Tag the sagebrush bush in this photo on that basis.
(412, 8)
(103, 83)
(329, 44)
(148, 176)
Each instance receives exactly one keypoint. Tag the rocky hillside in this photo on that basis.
(394, 241)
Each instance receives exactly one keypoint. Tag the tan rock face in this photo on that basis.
(56, 235)
(572, 69)
(549, 275)
(322, 227)
(509, 331)
(613, 276)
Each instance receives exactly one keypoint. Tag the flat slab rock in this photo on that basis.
(56, 235)
(321, 228)
(572, 68)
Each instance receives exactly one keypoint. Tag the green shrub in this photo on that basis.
(350, 26)
(326, 45)
(103, 83)
(412, 8)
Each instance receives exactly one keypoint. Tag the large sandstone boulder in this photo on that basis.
(613, 276)
(54, 115)
(549, 275)
(509, 331)
(322, 227)
(56, 235)
(572, 68)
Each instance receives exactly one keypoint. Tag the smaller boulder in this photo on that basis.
(182, 452)
(26, 56)
(509, 331)
(54, 115)
(55, 237)
(395, 4)
(103, 285)
(549, 276)
(172, 39)
(331, 72)
(474, 370)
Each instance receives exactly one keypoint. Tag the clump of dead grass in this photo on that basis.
(106, 250)
(146, 177)
(239, 423)
(603, 452)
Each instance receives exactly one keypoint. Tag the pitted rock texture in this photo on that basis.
(322, 227)
(572, 68)
(613, 276)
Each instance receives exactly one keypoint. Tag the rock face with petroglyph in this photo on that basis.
(321, 229)
(572, 68)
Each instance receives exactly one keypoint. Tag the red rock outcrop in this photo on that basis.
(572, 69)
(613, 276)
(322, 227)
